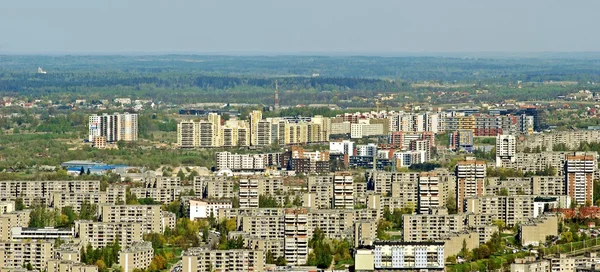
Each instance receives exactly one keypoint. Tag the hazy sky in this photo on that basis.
(301, 26)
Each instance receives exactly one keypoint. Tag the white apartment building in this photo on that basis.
(345, 147)
(115, 127)
(506, 149)
(200, 209)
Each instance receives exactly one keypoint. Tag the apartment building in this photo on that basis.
(153, 219)
(321, 189)
(432, 193)
(69, 251)
(200, 209)
(296, 231)
(512, 210)
(382, 182)
(114, 194)
(247, 162)
(343, 190)
(345, 147)
(251, 188)
(338, 224)
(36, 253)
(580, 171)
(47, 233)
(275, 246)
(188, 134)
(461, 140)
(530, 263)
(453, 242)
(365, 233)
(114, 127)
(101, 234)
(137, 256)
(69, 266)
(470, 180)
(392, 255)
(200, 260)
(31, 191)
(7, 207)
(214, 187)
(506, 149)
(570, 139)
(262, 226)
(535, 231)
(11, 220)
(510, 186)
(425, 227)
(548, 185)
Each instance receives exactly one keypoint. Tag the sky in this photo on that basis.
(297, 27)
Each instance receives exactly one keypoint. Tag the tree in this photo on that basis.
(181, 175)
(281, 261)
(89, 172)
(500, 224)
(269, 258)
(81, 171)
(19, 206)
(101, 265)
(451, 205)
(503, 192)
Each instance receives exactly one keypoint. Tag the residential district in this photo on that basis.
(362, 191)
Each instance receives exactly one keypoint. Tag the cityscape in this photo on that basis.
(348, 139)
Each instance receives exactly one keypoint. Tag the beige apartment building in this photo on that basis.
(214, 187)
(548, 185)
(529, 264)
(101, 234)
(571, 139)
(114, 194)
(510, 209)
(425, 227)
(69, 251)
(36, 253)
(512, 186)
(69, 266)
(535, 231)
(137, 256)
(453, 242)
(343, 190)
(152, 217)
(201, 260)
(296, 231)
(31, 191)
(11, 220)
(251, 188)
(432, 192)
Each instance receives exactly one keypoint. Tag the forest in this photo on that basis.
(347, 81)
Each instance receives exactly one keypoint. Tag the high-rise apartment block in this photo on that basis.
(579, 170)
(343, 190)
(432, 193)
(470, 180)
(506, 149)
(296, 236)
(115, 127)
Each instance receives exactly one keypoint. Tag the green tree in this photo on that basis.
(269, 258)
(281, 261)
(19, 206)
